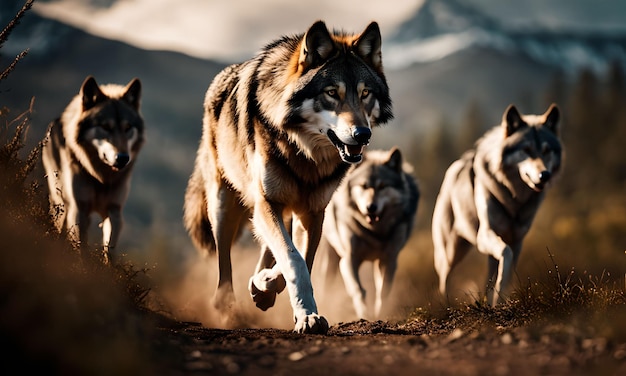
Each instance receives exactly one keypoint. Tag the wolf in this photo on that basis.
(279, 133)
(370, 218)
(490, 196)
(88, 156)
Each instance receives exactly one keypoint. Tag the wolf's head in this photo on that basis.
(110, 123)
(377, 185)
(339, 91)
(532, 146)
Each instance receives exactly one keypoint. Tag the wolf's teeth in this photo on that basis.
(354, 149)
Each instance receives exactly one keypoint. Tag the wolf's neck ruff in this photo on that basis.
(502, 193)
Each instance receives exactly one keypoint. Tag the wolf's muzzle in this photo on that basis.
(121, 160)
(362, 135)
(544, 178)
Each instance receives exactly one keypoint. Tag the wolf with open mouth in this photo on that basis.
(279, 133)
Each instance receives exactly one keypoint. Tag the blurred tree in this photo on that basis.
(612, 153)
(582, 137)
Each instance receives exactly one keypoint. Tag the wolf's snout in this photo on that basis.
(372, 215)
(121, 160)
(545, 176)
(362, 135)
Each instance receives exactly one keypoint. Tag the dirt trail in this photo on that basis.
(382, 348)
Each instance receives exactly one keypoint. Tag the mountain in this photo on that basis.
(449, 55)
(440, 28)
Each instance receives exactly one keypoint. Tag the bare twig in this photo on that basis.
(8, 69)
(4, 35)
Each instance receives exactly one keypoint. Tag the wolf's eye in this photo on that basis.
(365, 93)
(546, 150)
(332, 93)
(527, 149)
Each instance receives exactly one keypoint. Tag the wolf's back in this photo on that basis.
(224, 85)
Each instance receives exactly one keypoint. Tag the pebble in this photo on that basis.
(296, 356)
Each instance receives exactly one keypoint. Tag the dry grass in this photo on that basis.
(61, 311)
(581, 301)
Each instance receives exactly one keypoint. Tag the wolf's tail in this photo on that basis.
(195, 214)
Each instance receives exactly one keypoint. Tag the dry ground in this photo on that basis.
(383, 348)
(461, 339)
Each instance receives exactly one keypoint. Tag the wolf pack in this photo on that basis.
(284, 149)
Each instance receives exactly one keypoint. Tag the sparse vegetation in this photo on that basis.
(60, 312)
(556, 298)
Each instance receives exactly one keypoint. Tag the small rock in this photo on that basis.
(506, 339)
(296, 356)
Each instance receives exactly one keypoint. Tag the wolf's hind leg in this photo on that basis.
(454, 250)
(225, 215)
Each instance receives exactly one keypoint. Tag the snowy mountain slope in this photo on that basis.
(440, 28)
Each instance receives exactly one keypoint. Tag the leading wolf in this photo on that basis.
(279, 133)
(88, 156)
(489, 197)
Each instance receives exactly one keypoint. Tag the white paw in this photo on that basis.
(311, 324)
(264, 286)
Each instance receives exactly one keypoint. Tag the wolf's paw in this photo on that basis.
(264, 286)
(224, 299)
(311, 324)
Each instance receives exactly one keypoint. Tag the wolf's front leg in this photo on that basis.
(111, 229)
(349, 268)
(267, 281)
(500, 262)
(384, 271)
(307, 232)
(78, 222)
(269, 224)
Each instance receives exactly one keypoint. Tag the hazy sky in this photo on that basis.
(221, 29)
(236, 29)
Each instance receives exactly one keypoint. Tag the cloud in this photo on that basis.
(227, 30)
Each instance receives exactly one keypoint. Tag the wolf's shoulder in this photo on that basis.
(224, 83)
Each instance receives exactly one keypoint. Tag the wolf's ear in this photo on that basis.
(511, 120)
(132, 93)
(395, 159)
(552, 118)
(91, 93)
(368, 46)
(318, 46)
